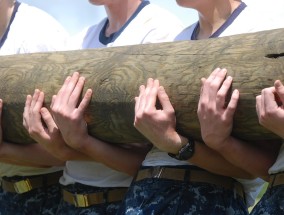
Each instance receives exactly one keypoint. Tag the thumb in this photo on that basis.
(279, 88)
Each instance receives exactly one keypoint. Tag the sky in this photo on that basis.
(75, 15)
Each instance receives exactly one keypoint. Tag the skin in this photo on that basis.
(6, 10)
(269, 107)
(117, 14)
(14, 153)
(216, 122)
(73, 141)
(159, 127)
(48, 135)
(21, 154)
(69, 117)
(212, 14)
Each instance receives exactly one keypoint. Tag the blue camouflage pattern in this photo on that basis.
(41, 201)
(100, 209)
(169, 197)
(272, 202)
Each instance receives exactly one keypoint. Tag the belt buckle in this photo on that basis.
(157, 171)
(81, 200)
(22, 186)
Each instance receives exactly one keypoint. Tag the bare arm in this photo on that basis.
(26, 155)
(70, 119)
(270, 109)
(159, 126)
(47, 136)
(216, 120)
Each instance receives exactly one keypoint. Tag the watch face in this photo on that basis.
(187, 151)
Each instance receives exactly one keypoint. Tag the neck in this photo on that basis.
(211, 20)
(6, 11)
(119, 15)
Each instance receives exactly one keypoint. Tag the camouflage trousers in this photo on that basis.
(66, 208)
(272, 202)
(169, 197)
(41, 201)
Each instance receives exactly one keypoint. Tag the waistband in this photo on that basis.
(23, 184)
(89, 199)
(191, 175)
(276, 179)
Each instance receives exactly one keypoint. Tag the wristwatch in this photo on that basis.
(186, 152)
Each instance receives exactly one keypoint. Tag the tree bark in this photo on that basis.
(115, 74)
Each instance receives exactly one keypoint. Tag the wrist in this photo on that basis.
(186, 151)
(221, 145)
(178, 142)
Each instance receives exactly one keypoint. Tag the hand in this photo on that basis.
(269, 107)
(215, 117)
(48, 136)
(69, 117)
(158, 126)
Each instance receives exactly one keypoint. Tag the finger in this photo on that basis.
(219, 78)
(213, 74)
(138, 100)
(70, 87)
(144, 96)
(223, 92)
(232, 106)
(76, 93)
(27, 111)
(61, 93)
(53, 101)
(203, 97)
(34, 99)
(39, 102)
(258, 105)
(151, 96)
(202, 84)
(269, 102)
(279, 88)
(47, 118)
(85, 101)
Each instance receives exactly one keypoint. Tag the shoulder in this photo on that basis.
(88, 37)
(32, 17)
(186, 33)
(38, 29)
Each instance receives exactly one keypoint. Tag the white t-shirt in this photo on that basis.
(149, 24)
(278, 166)
(31, 30)
(251, 19)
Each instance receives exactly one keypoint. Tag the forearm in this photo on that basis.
(256, 159)
(212, 161)
(27, 155)
(126, 160)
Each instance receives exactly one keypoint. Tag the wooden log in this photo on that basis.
(115, 74)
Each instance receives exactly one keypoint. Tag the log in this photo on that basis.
(254, 61)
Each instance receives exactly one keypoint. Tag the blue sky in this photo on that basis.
(74, 15)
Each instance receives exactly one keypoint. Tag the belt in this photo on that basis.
(26, 184)
(192, 175)
(276, 179)
(89, 199)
